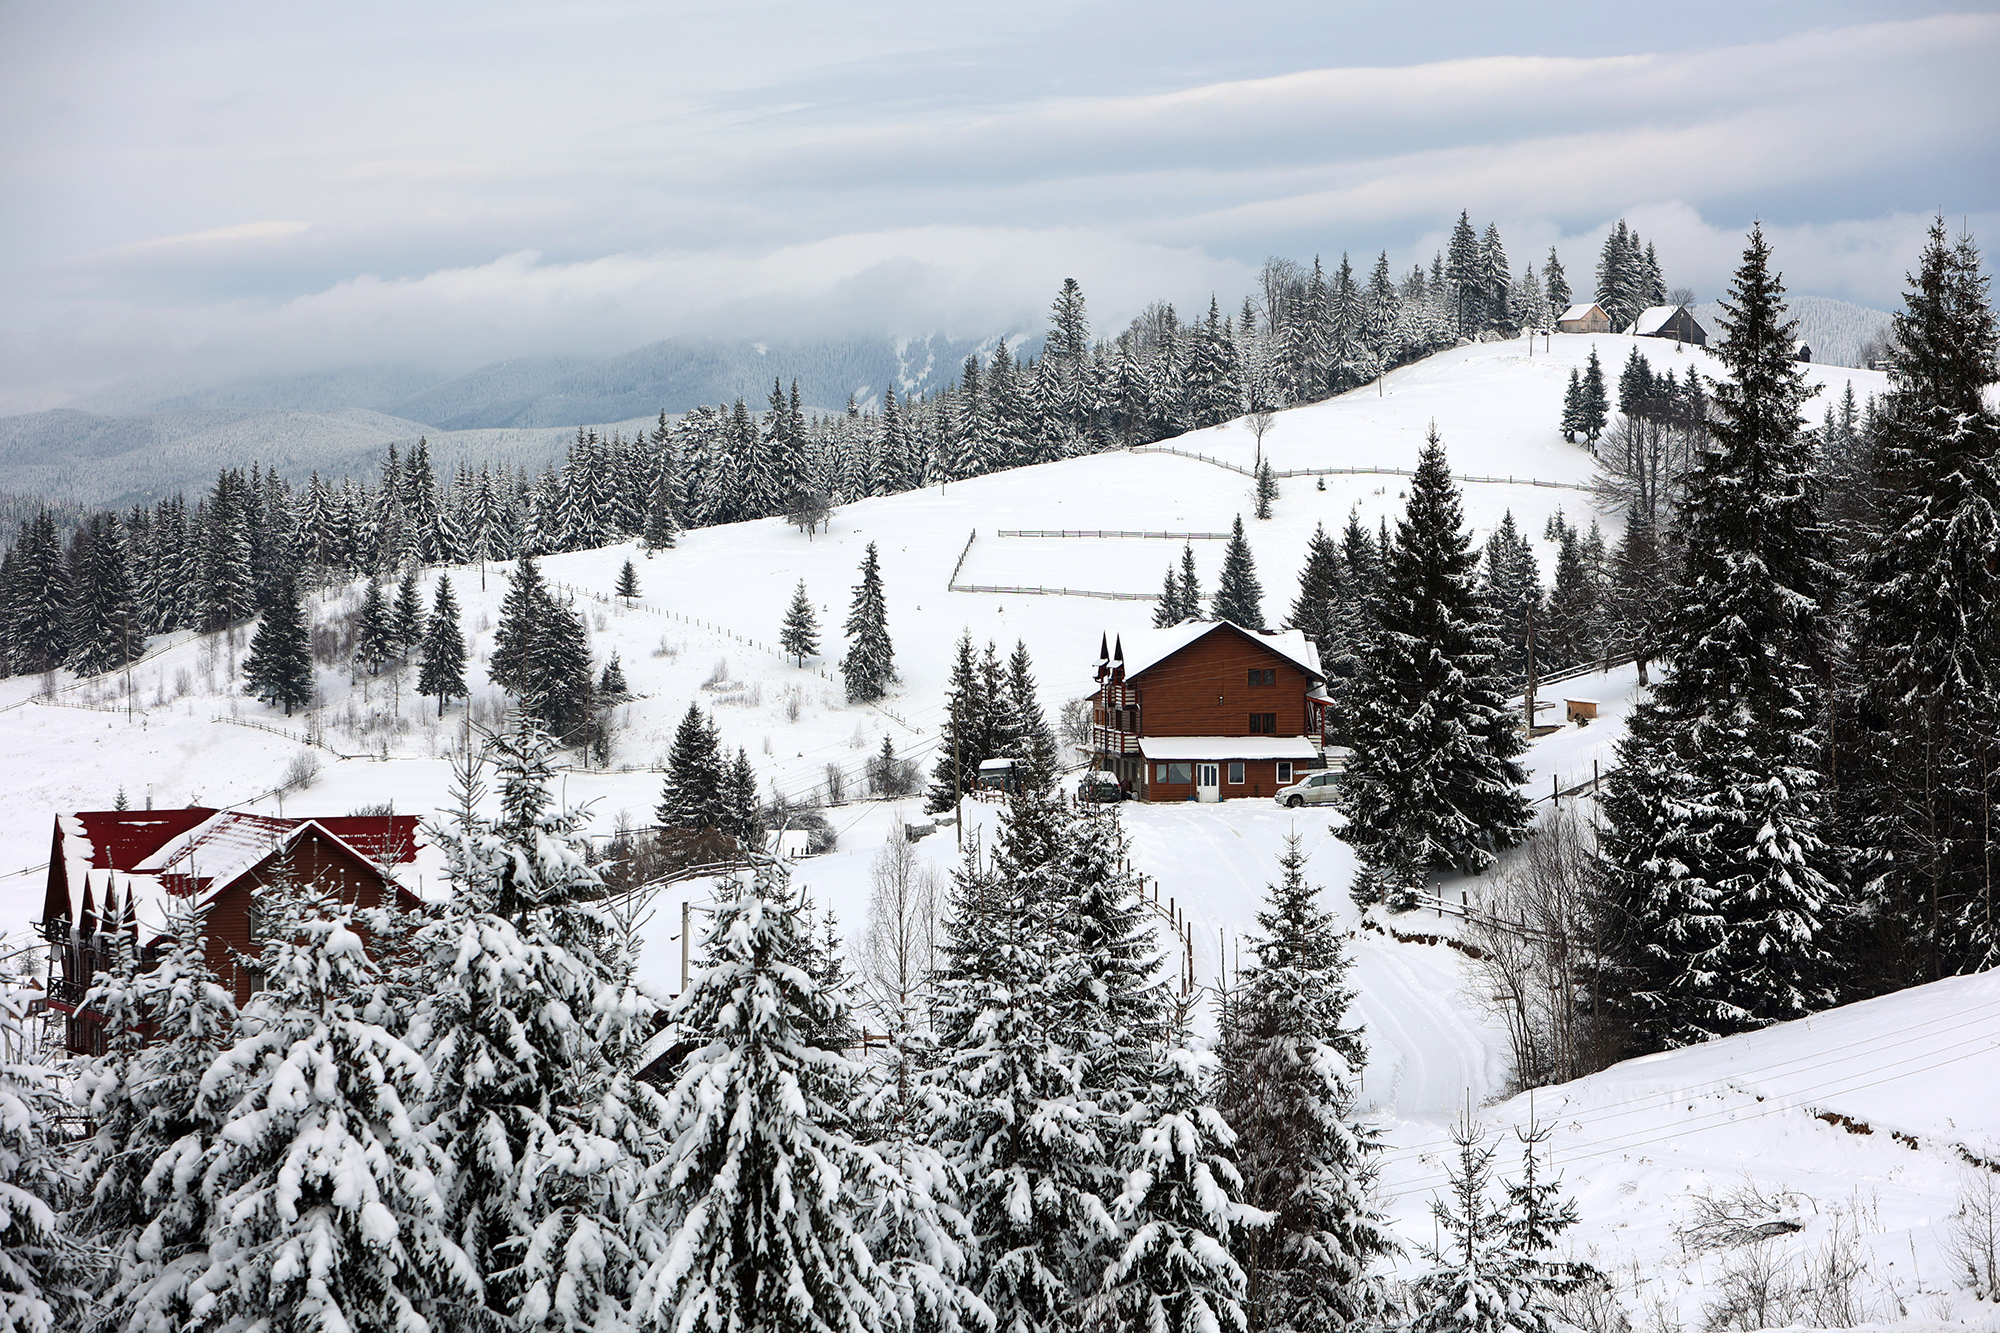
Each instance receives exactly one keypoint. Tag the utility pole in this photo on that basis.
(1528, 694)
(684, 946)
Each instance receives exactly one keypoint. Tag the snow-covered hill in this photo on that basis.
(1633, 1139)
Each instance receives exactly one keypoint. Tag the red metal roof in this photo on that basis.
(371, 835)
(121, 839)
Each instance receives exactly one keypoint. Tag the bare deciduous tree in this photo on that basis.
(899, 949)
(1972, 1235)
(1543, 939)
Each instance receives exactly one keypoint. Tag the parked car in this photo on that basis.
(1099, 787)
(1313, 789)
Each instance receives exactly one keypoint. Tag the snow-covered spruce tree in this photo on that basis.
(164, 1028)
(799, 636)
(1290, 1065)
(961, 744)
(1181, 1206)
(406, 616)
(43, 1270)
(1593, 405)
(279, 669)
(441, 669)
(756, 1201)
(1490, 1276)
(692, 799)
(662, 526)
(1168, 613)
(1109, 1002)
(558, 684)
(1432, 783)
(1713, 837)
(1511, 583)
(374, 639)
(521, 612)
(1919, 773)
(528, 1023)
(323, 1205)
(1320, 588)
(1010, 1100)
(612, 685)
(107, 630)
(628, 584)
(1239, 598)
(1267, 489)
(1557, 283)
(870, 664)
(1036, 743)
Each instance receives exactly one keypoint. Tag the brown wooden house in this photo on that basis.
(134, 867)
(1208, 711)
(1588, 317)
(1669, 321)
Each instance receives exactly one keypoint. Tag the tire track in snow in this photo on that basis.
(1424, 1036)
(1428, 1044)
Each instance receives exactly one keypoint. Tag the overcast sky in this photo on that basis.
(198, 190)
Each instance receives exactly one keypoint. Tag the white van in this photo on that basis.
(1314, 789)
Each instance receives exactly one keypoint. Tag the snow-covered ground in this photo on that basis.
(1633, 1140)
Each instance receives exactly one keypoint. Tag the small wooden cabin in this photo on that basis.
(1670, 321)
(1586, 318)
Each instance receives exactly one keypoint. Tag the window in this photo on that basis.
(1177, 772)
(1236, 774)
(1261, 676)
(1284, 771)
(1263, 724)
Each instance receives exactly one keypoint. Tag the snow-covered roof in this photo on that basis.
(1654, 318)
(148, 858)
(1209, 749)
(1579, 311)
(1142, 649)
(791, 843)
(995, 765)
(219, 848)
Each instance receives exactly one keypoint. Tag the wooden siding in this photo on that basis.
(1204, 689)
(316, 860)
(1260, 779)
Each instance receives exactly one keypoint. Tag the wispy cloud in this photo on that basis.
(484, 180)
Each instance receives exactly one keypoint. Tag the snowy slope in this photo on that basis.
(698, 631)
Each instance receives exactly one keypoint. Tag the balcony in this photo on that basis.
(64, 991)
(1113, 740)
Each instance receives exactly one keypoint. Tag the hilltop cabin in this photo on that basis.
(1589, 318)
(1208, 711)
(1669, 321)
(128, 869)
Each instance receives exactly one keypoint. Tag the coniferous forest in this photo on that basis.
(474, 1117)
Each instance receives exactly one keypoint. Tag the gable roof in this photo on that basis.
(1654, 318)
(1140, 650)
(147, 857)
(1580, 311)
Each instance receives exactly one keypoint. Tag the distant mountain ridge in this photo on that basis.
(138, 445)
(1835, 330)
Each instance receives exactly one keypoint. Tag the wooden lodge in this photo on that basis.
(1669, 321)
(131, 868)
(1586, 318)
(1208, 711)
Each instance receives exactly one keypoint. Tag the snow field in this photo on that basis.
(1631, 1141)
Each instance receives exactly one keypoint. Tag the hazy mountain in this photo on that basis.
(142, 442)
(1834, 330)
